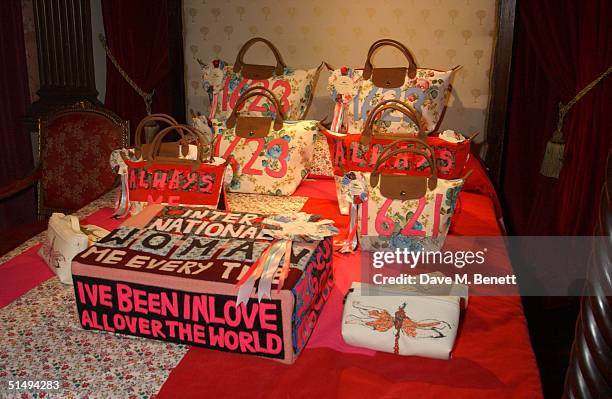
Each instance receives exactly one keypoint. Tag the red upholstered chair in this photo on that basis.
(75, 146)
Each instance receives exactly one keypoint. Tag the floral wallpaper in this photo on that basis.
(440, 33)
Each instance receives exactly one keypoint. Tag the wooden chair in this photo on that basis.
(75, 143)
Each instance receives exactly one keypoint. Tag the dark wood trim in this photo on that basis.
(65, 56)
(497, 120)
(176, 59)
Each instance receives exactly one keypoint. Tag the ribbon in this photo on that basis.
(349, 244)
(213, 105)
(122, 205)
(286, 265)
(264, 270)
(337, 117)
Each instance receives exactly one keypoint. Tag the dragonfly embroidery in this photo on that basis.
(52, 256)
(381, 320)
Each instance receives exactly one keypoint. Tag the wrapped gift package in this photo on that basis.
(171, 273)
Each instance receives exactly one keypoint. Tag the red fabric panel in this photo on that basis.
(560, 47)
(137, 35)
(492, 356)
(15, 146)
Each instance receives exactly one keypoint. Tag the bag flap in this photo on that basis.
(257, 72)
(402, 187)
(389, 77)
(252, 127)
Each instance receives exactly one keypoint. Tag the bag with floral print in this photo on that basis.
(176, 173)
(357, 91)
(225, 83)
(267, 154)
(359, 152)
(402, 208)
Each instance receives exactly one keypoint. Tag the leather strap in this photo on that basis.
(407, 140)
(400, 186)
(389, 77)
(254, 71)
(396, 105)
(255, 126)
(167, 119)
(153, 155)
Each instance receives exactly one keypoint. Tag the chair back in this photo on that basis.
(75, 146)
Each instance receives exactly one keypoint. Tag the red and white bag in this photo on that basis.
(176, 173)
(356, 91)
(400, 209)
(225, 84)
(358, 152)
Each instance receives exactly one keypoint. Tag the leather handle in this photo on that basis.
(368, 69)
(396, 105)
(256, 91)
(167, 119)
(432, 181)
(407, 140)
(238, 65)
(153, 154)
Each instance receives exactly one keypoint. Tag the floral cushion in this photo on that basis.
(76, 148)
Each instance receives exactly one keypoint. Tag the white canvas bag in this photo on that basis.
(65, 240)
(387, 319)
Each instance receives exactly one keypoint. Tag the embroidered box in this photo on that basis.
(170, 273)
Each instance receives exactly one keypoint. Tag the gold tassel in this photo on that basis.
(555, 148)
(553, 158)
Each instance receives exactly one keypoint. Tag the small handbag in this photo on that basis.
(357, 91)
(65, 239)
(411, 320)
(225, 84)
(404, 209)
(176, 173)
(268, 155)
(359, 152)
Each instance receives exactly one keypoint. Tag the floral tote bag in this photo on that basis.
(268, 155)
(357, 91)
(225, 83)
(359, 152)
(400, 209)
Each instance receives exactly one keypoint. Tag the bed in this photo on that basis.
(40, 336)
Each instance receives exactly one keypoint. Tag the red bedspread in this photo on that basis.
(492, 356)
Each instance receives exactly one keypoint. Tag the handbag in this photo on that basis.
(403, 209)
(65, 239)
(411, 320)
(357, 91)
(359, 152)
(170, 173)
(225, 84)
(268, 156)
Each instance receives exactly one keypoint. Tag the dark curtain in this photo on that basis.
(137, 35)
(15, 145)
(560, 47)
